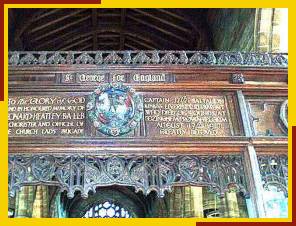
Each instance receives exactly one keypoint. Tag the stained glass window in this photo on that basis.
(107, 210)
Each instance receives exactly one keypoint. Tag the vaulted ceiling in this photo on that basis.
(108, 29)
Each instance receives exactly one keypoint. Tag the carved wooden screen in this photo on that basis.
(150, 120)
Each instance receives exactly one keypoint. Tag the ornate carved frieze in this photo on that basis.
(145, 173)
(268, 117)
(274, 171)
(150, 58)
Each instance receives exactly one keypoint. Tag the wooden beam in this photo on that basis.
(85, 47)
(167, 32)
(122, 28)
(147, 46)
(173, 14)
(51, 22)
(132, 31)
(46, 34)
(45, 14)
(65, 37)
(21, 26)
(109, 15)
(161, 20)
(131, 46)
(94, 28)
(72, 39)
(68, 47)
(108, 43)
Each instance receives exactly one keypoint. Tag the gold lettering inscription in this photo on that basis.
(187, 116)
(149, 78)
(46, 116)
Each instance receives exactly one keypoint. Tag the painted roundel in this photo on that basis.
(114, 109)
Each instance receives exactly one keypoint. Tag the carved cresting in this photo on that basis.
(144, 173)
(150, 58)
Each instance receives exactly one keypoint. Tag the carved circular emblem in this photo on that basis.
(284, 113)
(114, 109)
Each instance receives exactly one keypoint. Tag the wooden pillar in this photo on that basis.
(256, 206)
(254, 181)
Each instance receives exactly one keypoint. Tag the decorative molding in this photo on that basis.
(145, 173)
(155, 57)
(284, 113)
(237, 78)
(262, 114)
(274, 171)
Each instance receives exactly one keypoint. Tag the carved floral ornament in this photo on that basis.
(114, 109)
(145, 173)
(213, 58)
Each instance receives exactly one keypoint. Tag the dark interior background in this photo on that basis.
(131, 29)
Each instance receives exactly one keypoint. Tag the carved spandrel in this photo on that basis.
(274, 171)
(267, 117)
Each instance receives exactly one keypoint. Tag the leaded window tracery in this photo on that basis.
(107, 209)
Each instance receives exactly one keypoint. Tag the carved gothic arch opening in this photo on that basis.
(120, 196)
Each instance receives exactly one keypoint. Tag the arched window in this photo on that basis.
(107, 209)
(107, 202)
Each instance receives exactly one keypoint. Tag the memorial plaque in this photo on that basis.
(165, 115)
(187, 115)
(46, 116)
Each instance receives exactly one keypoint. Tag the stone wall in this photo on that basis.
(232, 29)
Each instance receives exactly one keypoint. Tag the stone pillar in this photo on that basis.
(41, 202)
(24, 202)
(186, 202)
(232, 205)
(197, 201)
(176, 203)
